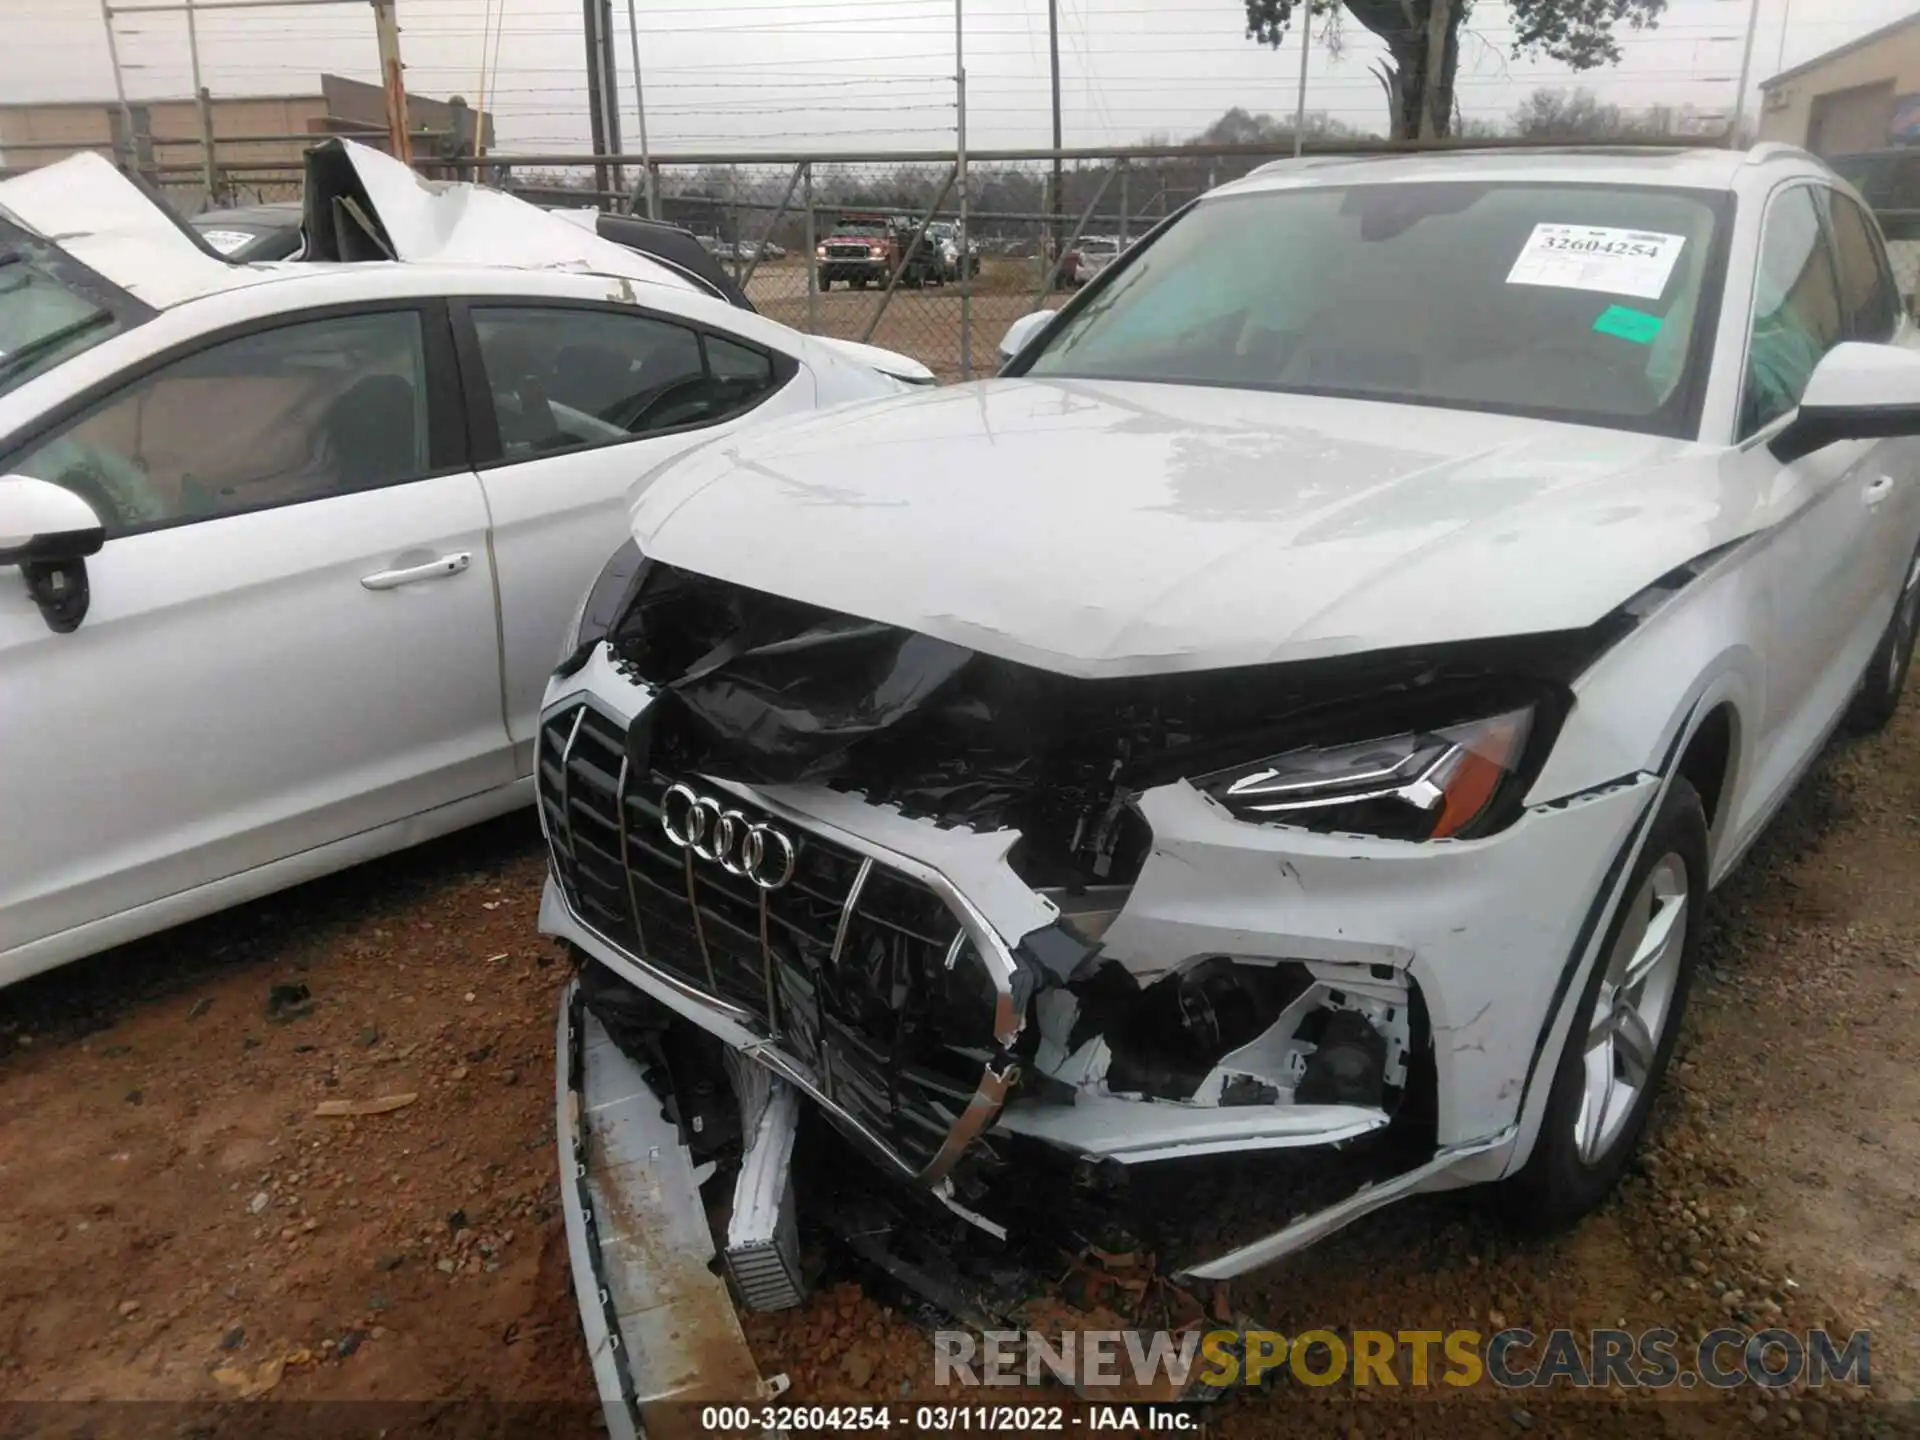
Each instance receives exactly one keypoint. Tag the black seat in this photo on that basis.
(593, 378)
(373, 430)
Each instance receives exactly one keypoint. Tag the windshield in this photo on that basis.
(861, 227)
(44, 317)
(1574, 302)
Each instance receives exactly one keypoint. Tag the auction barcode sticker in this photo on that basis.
(1597, 257)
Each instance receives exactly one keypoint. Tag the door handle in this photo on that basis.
(1878, 490)
(439, 569)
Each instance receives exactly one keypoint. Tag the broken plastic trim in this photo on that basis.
(612, 591)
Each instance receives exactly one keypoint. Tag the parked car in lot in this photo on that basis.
(1298, 710)
(1092, 255)
(284, 549)
(863, 250)
(944, 236)
(253, 232)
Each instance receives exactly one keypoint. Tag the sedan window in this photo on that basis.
(1573, 302)
(561, 379)
(277, 417)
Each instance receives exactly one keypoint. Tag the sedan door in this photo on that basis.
(572, 403)
(291, 638)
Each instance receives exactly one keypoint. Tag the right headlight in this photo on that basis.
(1412, 785)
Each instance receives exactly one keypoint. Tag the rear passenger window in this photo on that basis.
(561, 379)
(1867, 292)
(1796, 314)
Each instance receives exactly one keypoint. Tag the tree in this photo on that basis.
(1423, 39)
(1577, 115)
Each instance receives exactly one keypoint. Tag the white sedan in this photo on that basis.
(1297, 710)
(285, 549)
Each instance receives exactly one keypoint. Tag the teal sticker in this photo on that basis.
(1628, 324)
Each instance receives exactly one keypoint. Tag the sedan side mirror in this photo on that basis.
(1021, 331)
(1857, 392)
(48, 531)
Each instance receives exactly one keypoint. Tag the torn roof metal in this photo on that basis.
(450, 222)
(108, 223)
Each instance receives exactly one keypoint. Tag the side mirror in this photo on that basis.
(1856, 392)
(48, 531)
(1021, 331)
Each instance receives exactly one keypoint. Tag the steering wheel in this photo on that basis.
(678, 389)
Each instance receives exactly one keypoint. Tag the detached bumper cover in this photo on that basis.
(659, 1324)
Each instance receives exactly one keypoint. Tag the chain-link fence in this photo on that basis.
(877, 248)
(872, 249)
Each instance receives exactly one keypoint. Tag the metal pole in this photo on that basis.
(1746, 73)
(766, 236)
(119, 83)
(1125, 171)
(813, 270)
(963, 267)
(1053, 276)
(1056, 200)
(203, 101)
(1300, 104)
(640, 114)
(914, 247)
(393, 77)
(1780, 59)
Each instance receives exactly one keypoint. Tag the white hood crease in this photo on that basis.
(1104, 529)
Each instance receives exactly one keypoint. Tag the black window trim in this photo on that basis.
(1883, 266)
(447, 448)
(1798, 182)
(483, 426)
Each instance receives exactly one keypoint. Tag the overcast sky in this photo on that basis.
(874, 74)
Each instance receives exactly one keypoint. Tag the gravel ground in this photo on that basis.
(178, 1221)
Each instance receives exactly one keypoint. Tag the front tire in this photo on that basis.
(1624, 1027)
(1879, 694)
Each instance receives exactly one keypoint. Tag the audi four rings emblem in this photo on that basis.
(763, 854)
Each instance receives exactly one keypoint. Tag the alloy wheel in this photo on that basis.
(1631, 1011)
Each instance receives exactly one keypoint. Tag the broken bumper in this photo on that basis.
(660, 1326)
(1460, 953)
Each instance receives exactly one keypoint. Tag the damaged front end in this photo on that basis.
(1059, 954)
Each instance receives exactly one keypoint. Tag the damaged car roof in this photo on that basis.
(110, 224)
(360, 205)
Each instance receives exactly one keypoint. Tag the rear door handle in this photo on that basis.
(1878, 490)
(439, 569)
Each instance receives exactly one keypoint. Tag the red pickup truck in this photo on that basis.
(867, 248)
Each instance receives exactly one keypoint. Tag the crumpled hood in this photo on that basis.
(1100, 529)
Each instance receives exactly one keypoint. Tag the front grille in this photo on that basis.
(890, 1033)
(847, 252)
